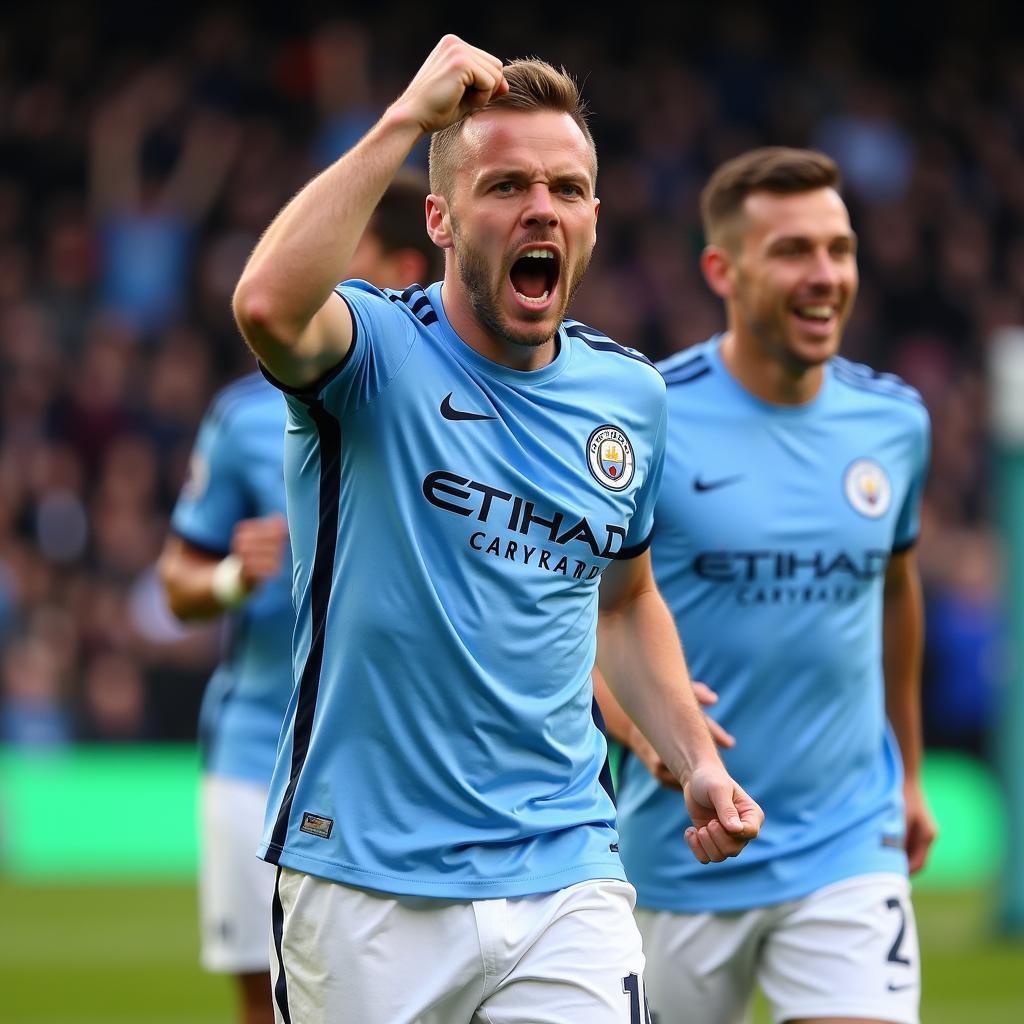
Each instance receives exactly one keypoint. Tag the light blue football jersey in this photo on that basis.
(773, 531)
(236, 473)
(451, 519)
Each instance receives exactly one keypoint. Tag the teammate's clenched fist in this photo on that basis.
(260, 544)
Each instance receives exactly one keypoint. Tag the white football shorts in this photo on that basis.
(346, 954)
(235, 886)
(846, 950)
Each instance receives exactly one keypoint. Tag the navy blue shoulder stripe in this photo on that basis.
(684, 360)
(858, 375)
(691, 370)
(418, 302)
(580, 330)
(602, 343)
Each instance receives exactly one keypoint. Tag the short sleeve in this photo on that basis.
(908, 525)
(214, 497)
(383, 335)
(641, 526)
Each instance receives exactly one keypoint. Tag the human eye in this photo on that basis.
(570, 189)
(504, 188)
(844, 247)
(790, 248)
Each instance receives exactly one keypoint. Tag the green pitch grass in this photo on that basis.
(126, 954)
(105, 954)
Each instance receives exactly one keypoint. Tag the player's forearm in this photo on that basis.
(903, 645)
(617, 723)
(199, 586)
(640, 656)
(304, 253)
(190, 595)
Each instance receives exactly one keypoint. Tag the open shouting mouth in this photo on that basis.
(534, 276)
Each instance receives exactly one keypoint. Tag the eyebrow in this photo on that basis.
(518, 174)
(846, 236)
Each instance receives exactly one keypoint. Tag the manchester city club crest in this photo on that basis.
(610, 457)
(867, 488)
(197, 477)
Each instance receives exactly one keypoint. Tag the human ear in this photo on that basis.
(716, 265)
(439, 222)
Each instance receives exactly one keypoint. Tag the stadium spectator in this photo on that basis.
(32, 713)
(150, 191)
(438, 792)
(784, 539)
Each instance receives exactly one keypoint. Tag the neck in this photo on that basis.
(484, 340)
(767, 377)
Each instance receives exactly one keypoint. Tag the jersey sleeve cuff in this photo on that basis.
(214, 550)
(314, 388)
(634, 550)
(898, 549)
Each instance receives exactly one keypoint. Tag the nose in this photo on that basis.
(539, 209)
(824, 271)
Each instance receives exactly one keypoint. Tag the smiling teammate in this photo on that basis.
(783, 544)
(464, 468)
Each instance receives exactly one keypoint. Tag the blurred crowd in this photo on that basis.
(142, 153)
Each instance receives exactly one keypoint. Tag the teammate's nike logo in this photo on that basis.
(457, 414)
(899, 988)
(700, 486)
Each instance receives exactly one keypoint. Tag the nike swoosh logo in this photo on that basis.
(700, 486)
(899, 988)
(457, 414)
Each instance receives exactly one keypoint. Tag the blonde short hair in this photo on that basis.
(533, 84)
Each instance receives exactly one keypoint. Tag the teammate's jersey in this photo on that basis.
(236, 473)
(451, 519)
(773, 531)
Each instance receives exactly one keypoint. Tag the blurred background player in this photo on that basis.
(229, 553)
(784, 546)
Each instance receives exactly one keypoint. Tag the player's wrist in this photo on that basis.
(403, 120)
(634, 738)
(227, 583)
(703, 767)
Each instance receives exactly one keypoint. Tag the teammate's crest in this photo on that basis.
(610, 457)
(197, 477)
(868, 489)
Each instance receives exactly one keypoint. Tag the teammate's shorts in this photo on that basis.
(235, 886)
(346, 954)
(846, 950)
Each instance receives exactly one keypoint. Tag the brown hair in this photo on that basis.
(398, 220)
(776, 169)
(533, 84)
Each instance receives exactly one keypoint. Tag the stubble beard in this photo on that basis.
(772, 329)
(484, 296)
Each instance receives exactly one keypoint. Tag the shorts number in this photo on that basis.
(631, 986)
(895, 956)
